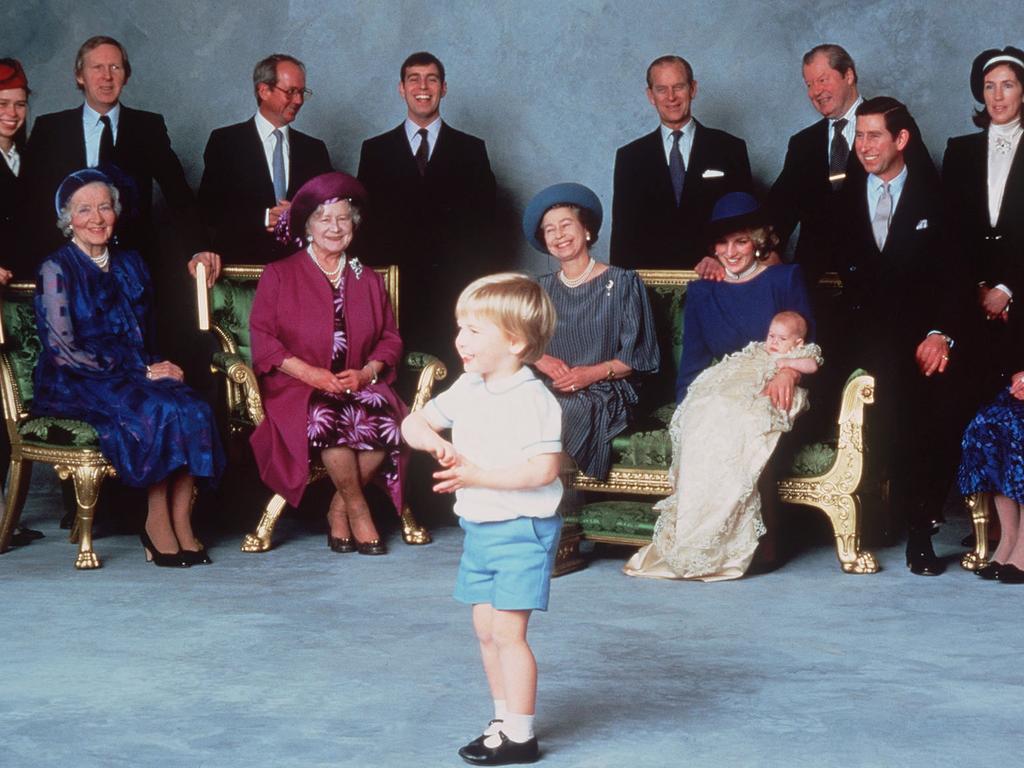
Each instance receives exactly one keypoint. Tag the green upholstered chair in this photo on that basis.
(71, 446)
(826, 475)
(224, 310)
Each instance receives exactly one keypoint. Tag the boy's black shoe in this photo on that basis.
(479, 740)
(508, 752)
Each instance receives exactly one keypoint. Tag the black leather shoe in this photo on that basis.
(342, 546)
(921, 559)
(990, 572)
(1010, 574)
(163, 559)
(375, 547)
(196, 557)
(479, 740)
(508, 752)
(24, 536)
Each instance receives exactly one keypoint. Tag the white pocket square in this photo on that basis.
(922, 224)
(711, 173)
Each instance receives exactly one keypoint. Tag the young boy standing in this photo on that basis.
(503, 466)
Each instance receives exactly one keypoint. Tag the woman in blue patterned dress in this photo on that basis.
(605, 336)
(97, 365)
(993, 462)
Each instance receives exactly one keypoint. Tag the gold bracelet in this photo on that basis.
(611, 374)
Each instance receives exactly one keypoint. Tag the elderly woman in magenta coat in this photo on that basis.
(325, 348)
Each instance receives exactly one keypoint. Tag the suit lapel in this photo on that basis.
(77, 147)
(654, 159)
(1013, 195)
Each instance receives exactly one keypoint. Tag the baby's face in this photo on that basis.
(781, 338)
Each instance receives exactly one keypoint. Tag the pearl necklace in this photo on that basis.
(736, 276)
(334, 275)
(100, 261)
(573, 282)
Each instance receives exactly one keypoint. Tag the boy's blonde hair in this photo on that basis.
(794, 320)
(517, 305)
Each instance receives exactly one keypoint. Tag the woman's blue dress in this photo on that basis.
(993, 450)
(94, 327)
(722, 317)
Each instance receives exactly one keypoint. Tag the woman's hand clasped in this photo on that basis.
(995, 303)
(343, 382)
(1017, 385)
(780, 388)
(164, 369)
(570, 379)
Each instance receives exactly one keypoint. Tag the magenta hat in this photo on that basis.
(325, 188)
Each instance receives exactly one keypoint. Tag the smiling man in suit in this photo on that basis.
(431, 208)
(252, 169)
(903, 303)
(667, 182)
(819, 161)
(104, 132)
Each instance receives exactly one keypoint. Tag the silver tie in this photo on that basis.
(280, 188)
(883, 214)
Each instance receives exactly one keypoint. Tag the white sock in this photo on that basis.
(518, 728)
(499, 709)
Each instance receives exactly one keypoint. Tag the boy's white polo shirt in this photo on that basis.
(501, 424)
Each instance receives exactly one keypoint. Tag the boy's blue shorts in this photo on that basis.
(508, 564)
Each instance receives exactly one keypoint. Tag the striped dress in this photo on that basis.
(606, 318)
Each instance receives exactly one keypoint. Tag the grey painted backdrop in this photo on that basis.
(553, 87)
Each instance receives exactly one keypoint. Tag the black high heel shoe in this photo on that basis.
(341, 545)
(164, 560)
(197, 556)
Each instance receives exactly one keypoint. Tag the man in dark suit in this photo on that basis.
(240, 196)
(431, 207)
(104, 132)
(819, 161)
(903, 305)
(667, 182)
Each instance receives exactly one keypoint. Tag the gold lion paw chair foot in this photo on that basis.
(224, 310)
(70, 446)
(826, 475)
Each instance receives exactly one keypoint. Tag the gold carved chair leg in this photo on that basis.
(835, 491)
(412, 531)
(980, 506)
(17, 491)
(87, 479)
(260, 539)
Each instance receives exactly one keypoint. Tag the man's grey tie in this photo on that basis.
(280, 187)
(838, 154)
(676, 167)
(883, 214)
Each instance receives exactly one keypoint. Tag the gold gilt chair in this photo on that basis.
(826, 476)
(224, 310)
(71, 446)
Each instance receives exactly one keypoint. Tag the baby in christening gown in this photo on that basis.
(723, 434)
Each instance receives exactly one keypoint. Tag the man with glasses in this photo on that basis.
(253, 168)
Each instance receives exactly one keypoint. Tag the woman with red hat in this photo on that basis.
(13, 111)
(325, 347)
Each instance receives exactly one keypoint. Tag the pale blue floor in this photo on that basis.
(305, 658)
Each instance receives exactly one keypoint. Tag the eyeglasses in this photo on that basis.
(291, 93)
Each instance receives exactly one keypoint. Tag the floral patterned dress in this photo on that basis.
(993, 450)
(362, 420)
